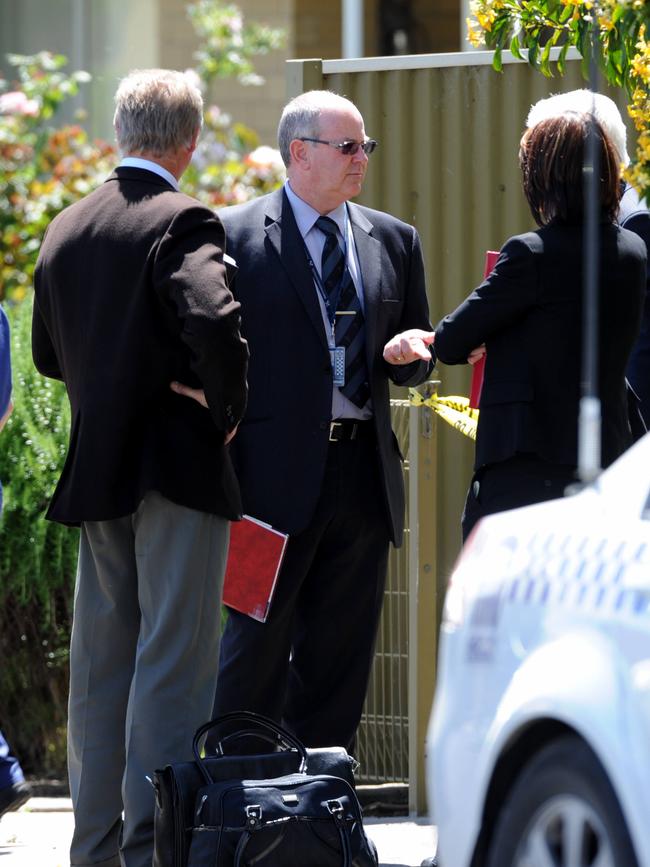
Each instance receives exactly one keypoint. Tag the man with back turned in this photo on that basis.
(131, 293)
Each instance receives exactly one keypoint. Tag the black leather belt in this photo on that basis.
(349, 429)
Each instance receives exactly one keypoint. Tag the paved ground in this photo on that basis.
(38, 835)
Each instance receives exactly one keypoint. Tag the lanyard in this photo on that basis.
(331, 305)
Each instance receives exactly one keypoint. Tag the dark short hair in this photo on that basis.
(551, 157)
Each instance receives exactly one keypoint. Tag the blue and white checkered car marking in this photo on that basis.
(578, 571)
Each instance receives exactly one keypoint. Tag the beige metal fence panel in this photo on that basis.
(449, 128)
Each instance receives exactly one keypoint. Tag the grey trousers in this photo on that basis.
(143, 668)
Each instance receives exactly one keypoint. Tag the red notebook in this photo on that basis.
(254, 560)
(478, 370)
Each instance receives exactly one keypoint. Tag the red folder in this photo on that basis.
(478, 369)
(254, 560)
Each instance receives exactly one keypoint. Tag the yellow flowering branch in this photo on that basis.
(539, 25)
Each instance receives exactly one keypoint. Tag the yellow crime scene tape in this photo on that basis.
(454, 409)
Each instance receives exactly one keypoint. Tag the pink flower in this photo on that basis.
(264, 157)
(15, 102)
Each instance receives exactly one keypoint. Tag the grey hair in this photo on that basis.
(156, 111)
(583, 101)
(301, 117)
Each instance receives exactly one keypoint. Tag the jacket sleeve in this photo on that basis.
(415, 314)
(500, 300)
(639, 223)
(43, 351)
(189, 274)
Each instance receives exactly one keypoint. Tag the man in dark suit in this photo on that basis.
(131, 293)
(315, 454)
(634, 215)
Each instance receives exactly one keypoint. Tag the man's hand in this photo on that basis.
(198, 395)
(476, 354)
(6, 415)
(408, 346)
(230, 435)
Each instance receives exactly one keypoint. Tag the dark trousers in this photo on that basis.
(308, 666)
(518, 481)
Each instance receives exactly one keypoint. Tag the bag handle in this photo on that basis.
(240, 735)
(278, 736)
(254, 823)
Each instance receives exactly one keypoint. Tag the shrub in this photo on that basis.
(41, 169)
(37, 563)
(614, 32)
(229, 166)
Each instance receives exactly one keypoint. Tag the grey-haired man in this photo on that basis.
(131, 293)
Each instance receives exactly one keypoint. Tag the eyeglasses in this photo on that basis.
(347, 148)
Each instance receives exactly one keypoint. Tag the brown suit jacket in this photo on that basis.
(130, 294)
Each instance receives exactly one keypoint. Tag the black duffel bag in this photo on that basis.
(293, 807)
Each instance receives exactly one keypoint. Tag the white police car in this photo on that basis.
(538, 750)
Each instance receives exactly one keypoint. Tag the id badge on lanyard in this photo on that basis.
(337, 357)
(337, 353)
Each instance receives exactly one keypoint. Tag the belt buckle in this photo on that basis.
(334, 426)
(338, 427)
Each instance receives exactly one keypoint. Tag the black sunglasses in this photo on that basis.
(347, 148)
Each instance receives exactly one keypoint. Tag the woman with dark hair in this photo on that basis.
(528, 316)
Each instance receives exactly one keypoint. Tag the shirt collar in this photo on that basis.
(306, 216)
(150, 166)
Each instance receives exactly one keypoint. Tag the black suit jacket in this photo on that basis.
(528, 313)
(281, 446)
(130, 294)
(634, 215)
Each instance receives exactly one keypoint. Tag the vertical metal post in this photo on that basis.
(423, 614)
(79, 41)
(589, 421)
(303, 75)
(352, 28)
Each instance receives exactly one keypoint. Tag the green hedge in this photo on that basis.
(37, 564)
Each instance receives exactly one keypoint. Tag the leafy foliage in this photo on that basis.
(41, 169)
(614, 29)
(229, 166)
(228, 44)
(37, 562)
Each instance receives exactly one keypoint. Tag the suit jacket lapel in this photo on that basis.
(284, 236)
(369, 252)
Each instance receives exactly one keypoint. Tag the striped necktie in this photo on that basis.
(349, 330)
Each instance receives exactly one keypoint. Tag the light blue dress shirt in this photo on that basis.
(150, 166)
(314, 239)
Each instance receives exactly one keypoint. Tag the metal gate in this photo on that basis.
(383, 738)
(390, 741)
